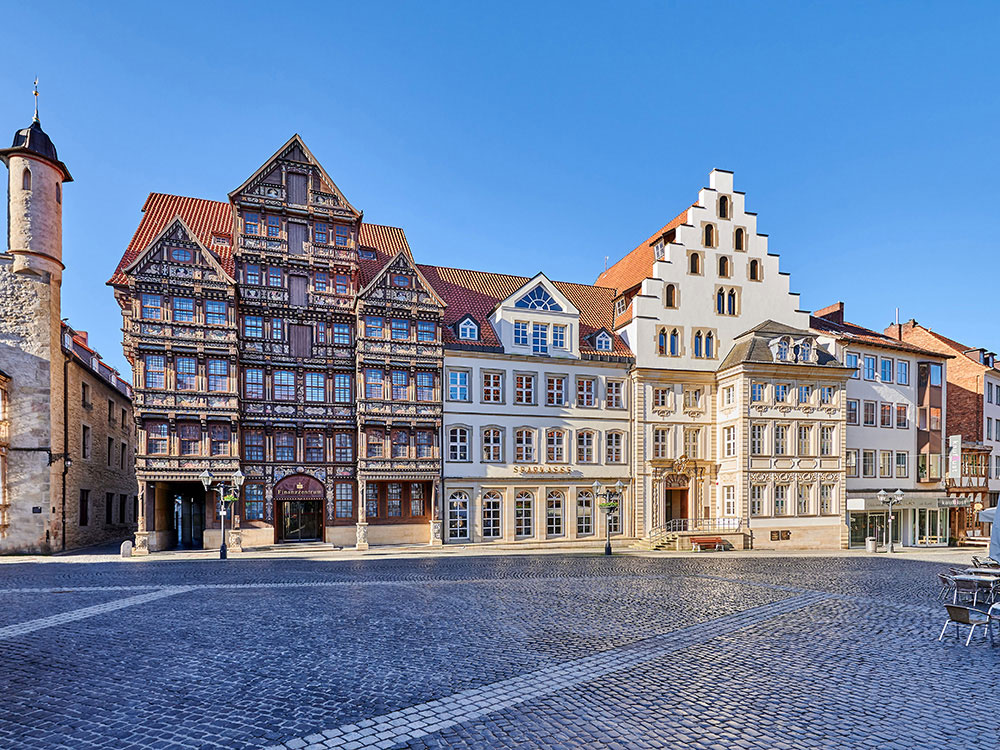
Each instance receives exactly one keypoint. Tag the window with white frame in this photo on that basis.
(558, 337)
(661, 441)
(851, 360)
(728, 395)
(614, 394)
(729, 500)
(756, 500)
(458, 385)
(555, 390)
(524, 445)
(614, 447)
(661, 397)
(826, 394)
(492, 508)
(603, 342)
(757, 439)
(756, 392)
(584, 512)
(458, 444)
(826, 499)
(586, 392)
(781, 439)
(902, 372)
(540, 338)
(851, 462)
(885, 463)
(805, 440)
(458, 516)
(852, 411)
(887, 368)
(520, 333)
(902, 464)
(692, 441)
(871, 362)
(805, 394)
(868, 464)
(555, 446)
(781, 500)
(554, 513)
(524, 389)
(729, 441)
(524, 504)
(468, 330)
(826, 440)
(492, 387)
(803, 498)
(585, 447)
(492, 445)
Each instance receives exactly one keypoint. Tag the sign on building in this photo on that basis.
(954, 457)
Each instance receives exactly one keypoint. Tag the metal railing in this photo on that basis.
(714, 525)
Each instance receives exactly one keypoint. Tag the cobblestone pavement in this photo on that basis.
(546, 651)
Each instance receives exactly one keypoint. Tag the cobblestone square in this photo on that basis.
(546, 651)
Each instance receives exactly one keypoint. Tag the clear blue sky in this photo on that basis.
(543, 136)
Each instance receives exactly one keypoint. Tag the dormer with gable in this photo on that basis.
(538, 320)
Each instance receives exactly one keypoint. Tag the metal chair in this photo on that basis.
(947, 587)
(965, 588)
(958, 615)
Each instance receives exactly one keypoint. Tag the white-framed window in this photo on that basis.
(851, 360)
(584, 512)
(871, 364)
(492, 518)
(586, 390)
(805, 394)
(492, 387)
(851, 462)
(603, 342)
(458, 515)
(524, 445)
(468, 330)
(614, 447)
(554, 513)
(805, 440)
(756, 500)
(540, 338)
(661, 397)
(728, 395)
(558, 337)
(585, 447)
(492, 445)
(826, 440)
(729, 441)
(520, 333)
(729, 500)
(902, 372)
(852, 411)
(757, 391)
(555, 390)
(902, 464)
(458, 385)
(524, 504)
(524, 388)
(692, 441)
(781, 499)
(458, 444)
(887, 370)
(803, 499)
(555, 446)
(781, 440)
(757, 439)
(614, 393)
(826, 499)
(885, 463)
(661, 439)
(868, 464)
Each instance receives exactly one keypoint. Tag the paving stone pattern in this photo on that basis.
(548, 652)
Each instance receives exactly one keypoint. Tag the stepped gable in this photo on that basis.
(204, 218)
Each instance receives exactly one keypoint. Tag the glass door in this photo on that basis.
(301, 520)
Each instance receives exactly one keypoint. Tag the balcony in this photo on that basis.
(322, 299)
(390, 348)
(263, 244)
(262, 346)
(336, 253)
(193, 400)
(151, 329)
(294, 410)
(402, 409)
(430, 465)
(264, 294)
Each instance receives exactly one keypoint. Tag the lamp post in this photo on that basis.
(237, 482)
(609, 505)
(890, 500)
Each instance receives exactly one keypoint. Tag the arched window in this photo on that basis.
(695, 263)
(675, 343)
(731, 305)
(805, 351)
(26, 179)
(458, 516)
(492, 507)
(538, 299)
(709, 235)
(782, 353)
(724, 207)
(58, 192)
(554, 513)
(697, 344)
(755, 270)
(724, 270)
(709, 345)
(720, 302)
(738, 239)
(661, 343)
(523, 514)
(670, 296)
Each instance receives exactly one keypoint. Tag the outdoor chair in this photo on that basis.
(977, 563)
(958, 615)
(947, 587)
(957, 571)
(967, 588)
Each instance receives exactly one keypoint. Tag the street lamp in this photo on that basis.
(890, 500)
(610, 504)
(237, 482)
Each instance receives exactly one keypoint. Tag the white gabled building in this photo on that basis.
(535, 408)
(683, 298)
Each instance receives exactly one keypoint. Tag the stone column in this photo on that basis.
(141, 534)
(362, 525)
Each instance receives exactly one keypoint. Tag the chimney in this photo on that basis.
(897, 330)
(834, 313)
(82, 336)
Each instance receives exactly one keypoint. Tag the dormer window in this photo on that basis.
(619, 306)
(805, 351)
(659, 249)
(538, 299)
(468, 330)
(366, 254)
(781, 354)
(602, 342)
(221, 240)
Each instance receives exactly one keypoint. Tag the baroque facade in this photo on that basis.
(66, 424)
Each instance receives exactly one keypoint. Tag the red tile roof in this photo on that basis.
(851, 332)
(477, 293)
(384, 242)
(203, 217)
(637, 265)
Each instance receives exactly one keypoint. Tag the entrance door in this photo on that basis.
(301, 520)
(676, 505)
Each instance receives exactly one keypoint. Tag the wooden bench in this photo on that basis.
(700, 543)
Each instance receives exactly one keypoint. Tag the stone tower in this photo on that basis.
(30, 351)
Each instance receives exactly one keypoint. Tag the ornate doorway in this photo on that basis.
(298, 506)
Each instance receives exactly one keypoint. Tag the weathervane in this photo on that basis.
(36, 98)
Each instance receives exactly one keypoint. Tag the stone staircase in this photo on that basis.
(676, 535)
